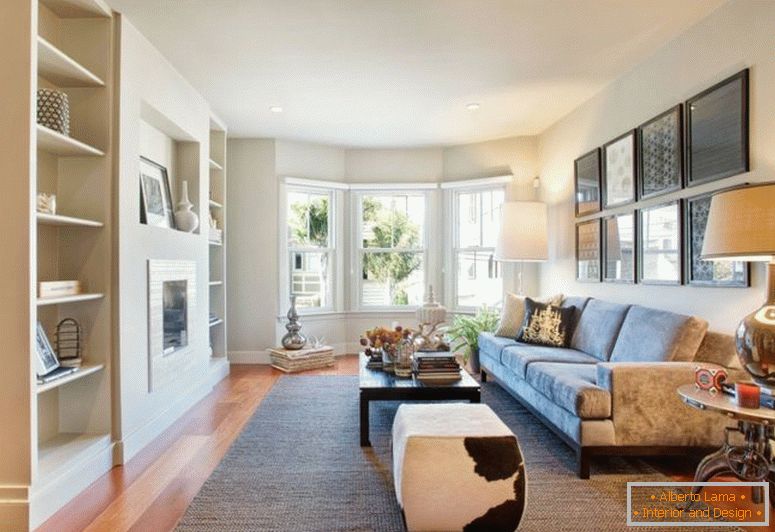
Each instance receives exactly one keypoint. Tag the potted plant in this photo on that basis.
(464, 333)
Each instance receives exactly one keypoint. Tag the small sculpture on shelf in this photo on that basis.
(293, 339)
(68, 340)
(185, 218)
(432, 317)
(47, 203)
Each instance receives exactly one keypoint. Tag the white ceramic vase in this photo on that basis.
(186, 219)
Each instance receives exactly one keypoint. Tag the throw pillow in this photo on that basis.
(546, 324)
(513, 313)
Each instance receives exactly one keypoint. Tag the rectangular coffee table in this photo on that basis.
(376, 385)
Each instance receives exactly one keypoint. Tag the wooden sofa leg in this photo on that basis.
(582, 463)
(483, 375)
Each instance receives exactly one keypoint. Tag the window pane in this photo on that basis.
(491, 216)
(309, 279)
(307, 219)
(395, 278)
(479, 218)
(392, 221)
(469, 220)
(478, 279)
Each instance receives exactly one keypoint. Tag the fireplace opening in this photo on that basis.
(174, 294)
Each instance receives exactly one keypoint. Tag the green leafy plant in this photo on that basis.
(464, 331)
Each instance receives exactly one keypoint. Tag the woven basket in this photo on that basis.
(54, 110)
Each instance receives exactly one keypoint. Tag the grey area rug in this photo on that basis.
(298, 466)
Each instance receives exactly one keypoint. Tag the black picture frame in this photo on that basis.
(588, 251)
(661, 154)
(587, 179)
(717, 131)
(614, 252)
(155, 195)
(695, 220)
(648, 257)
(620, 170)
(46, 360)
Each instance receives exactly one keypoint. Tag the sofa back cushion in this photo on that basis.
(652, 335)
(598, 327)
(718, 348)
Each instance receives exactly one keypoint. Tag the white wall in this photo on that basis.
(736, 36)
(153, 92)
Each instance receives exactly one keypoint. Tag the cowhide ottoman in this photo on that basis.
(457, 467)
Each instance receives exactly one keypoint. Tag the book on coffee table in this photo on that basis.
(292, 361)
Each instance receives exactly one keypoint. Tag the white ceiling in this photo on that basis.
(389, 73)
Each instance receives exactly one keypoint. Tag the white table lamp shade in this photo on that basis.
(522, 236)
(741, 225)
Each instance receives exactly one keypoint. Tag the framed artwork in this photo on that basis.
(46, 361)
(717, 131)
(619, 248)
(586, 172)
(588, 251)
(660, 244)
(619, 170)
(661, 154)
(155, 197)
(700, 272)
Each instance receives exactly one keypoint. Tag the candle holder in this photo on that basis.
(747, 395)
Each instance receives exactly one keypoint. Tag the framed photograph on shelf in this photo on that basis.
(588, 251)
(155, 196)
(619, 170)
(717, 131)
(586, 172)
(661, 154)
(46, 360)
(700, 272)
(660, 244)
(619, 248)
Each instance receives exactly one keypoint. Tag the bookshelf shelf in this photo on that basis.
(62, 145)
(61, 69)
(78, 8)
(216, 283)
(84, 371)
(215, 205)
(66, 221)
(215, 166)
(67, 448)
(42, 301)
(216, 323)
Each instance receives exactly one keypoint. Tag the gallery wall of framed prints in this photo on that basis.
(622, 236)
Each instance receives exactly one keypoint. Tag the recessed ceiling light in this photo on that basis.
(276, 109)
(473, 106)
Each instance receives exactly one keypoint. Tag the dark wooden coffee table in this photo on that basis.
(376, 385)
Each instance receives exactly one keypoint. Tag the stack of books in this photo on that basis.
(436, 367)
(214, 319)
(292, 361)
(375, 360)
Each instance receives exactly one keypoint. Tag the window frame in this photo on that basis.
(451, 257)
(287, 250)
(356, 225)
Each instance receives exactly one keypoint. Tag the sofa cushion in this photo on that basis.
(571, 386)
(598, 328)
(652, 335)
(546, 324)
(519, 356)
(576, 301)
(492, 345)
(513, 313)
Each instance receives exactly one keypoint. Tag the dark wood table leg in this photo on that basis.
(476, 397)
(365, 420)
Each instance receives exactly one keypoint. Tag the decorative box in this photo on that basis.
(54, 110)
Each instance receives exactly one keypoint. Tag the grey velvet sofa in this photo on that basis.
(613, 392)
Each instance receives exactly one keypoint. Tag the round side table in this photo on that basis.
(750, 462)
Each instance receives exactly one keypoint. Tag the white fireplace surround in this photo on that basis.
(163, 368)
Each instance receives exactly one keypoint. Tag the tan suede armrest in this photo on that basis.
(647, 410)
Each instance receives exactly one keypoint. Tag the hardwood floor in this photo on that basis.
(152, 491)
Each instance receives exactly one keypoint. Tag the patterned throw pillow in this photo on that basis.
(546, 324)
(513, 313)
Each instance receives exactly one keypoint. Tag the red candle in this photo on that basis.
(747, 395)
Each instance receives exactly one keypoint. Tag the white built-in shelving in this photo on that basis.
(217, 208)
(72, 423)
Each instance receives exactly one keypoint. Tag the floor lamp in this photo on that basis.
(522, 236)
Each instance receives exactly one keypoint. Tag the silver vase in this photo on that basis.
(293, 339)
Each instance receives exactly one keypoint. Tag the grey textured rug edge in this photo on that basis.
(297, 465)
